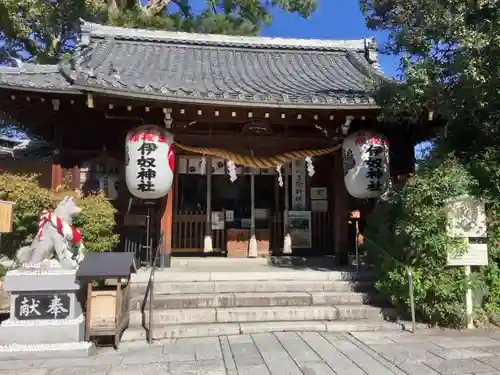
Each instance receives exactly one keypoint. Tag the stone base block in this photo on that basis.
(45, 312)
(40, 279)
(61, 350)
(31, 332)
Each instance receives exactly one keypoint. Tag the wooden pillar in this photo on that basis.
(287, 239)
(253, 250)
(341, 211)
(57, 175)
(75, 178)
(208, 241)
(167, 220)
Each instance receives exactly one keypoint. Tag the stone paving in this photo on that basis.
(290, 353)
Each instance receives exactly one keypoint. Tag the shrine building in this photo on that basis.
(229, 102)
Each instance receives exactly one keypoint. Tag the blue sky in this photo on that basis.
(332, 20)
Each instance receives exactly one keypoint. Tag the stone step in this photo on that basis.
(252, 286)
(288, 261)
(218, 329)
(245, 274)
(257, 299)
(260, 314)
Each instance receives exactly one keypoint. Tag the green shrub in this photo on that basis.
(412, 229)
(3, 271)
(492, 271)
(97, 223)
(30, 199)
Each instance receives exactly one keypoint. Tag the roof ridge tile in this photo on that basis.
(91, 30)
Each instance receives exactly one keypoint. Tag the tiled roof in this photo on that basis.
(235, 70)
(34, 77)
(210, 69)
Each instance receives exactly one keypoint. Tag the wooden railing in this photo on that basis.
(189, 233)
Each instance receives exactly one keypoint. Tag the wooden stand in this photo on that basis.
(107, 310)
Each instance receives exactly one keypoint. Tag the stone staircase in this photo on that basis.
(191, 303)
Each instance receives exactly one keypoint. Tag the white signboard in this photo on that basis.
(229, 215)
(194, 165)
(217, 220)
(476, 255)
(467, 219)
(298, 185)
(299, 223)
(218, 166)
(110, 185)
(319, 193)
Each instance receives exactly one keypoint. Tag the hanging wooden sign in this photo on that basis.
(298, 185)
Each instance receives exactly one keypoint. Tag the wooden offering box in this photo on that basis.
(108, 307)
(237, 243)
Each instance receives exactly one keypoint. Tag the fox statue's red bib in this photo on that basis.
(69, 232)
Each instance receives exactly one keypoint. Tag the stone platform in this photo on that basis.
(292, 353)
(45, 314)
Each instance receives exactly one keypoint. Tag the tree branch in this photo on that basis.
(154, 7)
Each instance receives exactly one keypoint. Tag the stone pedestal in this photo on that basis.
(45, 314)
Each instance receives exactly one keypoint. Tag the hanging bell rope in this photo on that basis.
(259, 162)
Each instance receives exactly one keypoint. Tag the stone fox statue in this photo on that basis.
(55, 232)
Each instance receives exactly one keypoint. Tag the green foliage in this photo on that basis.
(47, 29)
(29, 199)
(449, 66)
(97, 223)
(3, 271)
(412, 230)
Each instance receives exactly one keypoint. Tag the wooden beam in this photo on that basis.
(341, 210)
(230, 142)
(166, 220)
(57, 175)
(75, 178)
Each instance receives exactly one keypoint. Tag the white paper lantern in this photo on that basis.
(149, 165)
(365, 156)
